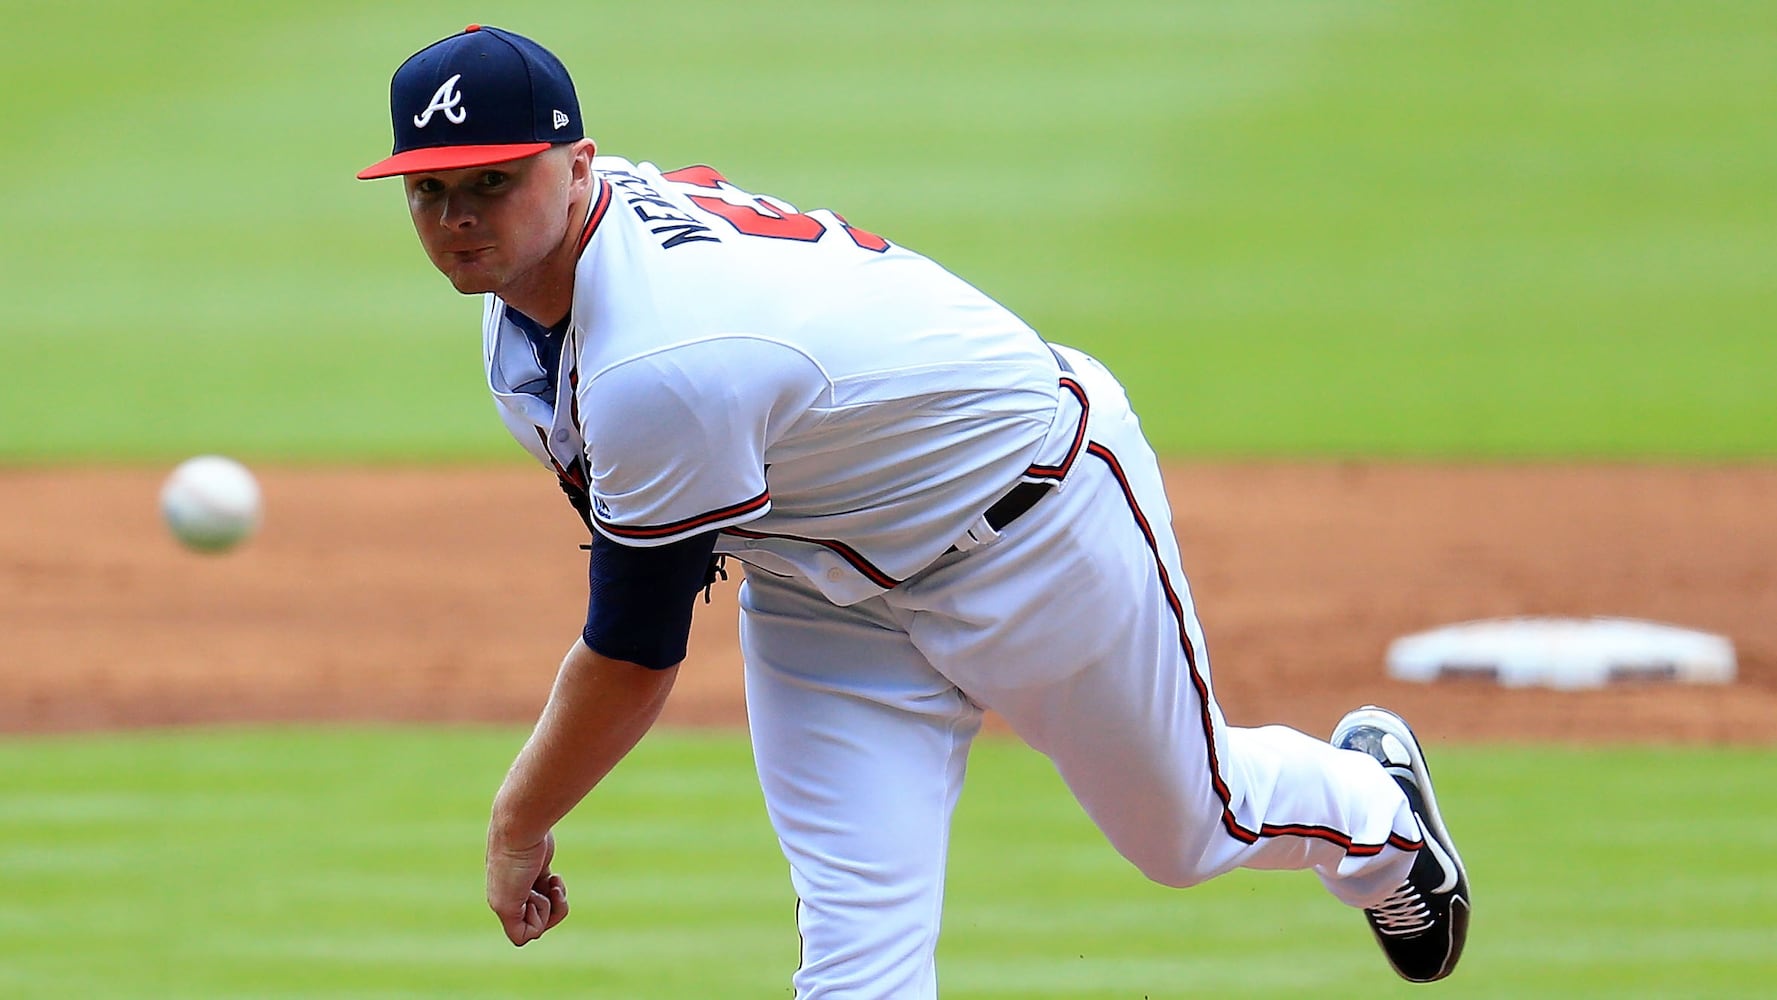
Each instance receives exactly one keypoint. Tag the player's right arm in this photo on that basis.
(598, 710)
(607, 695)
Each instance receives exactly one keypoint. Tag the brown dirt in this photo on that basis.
(450, 595)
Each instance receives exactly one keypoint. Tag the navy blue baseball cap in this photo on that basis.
(483, 96)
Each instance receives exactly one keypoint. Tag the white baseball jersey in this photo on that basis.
(844, 411)
(732, 362)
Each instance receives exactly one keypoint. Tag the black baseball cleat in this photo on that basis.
(1423, 924)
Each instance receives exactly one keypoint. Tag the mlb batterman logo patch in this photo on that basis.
(448, 100)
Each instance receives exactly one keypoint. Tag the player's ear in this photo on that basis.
(580, 169)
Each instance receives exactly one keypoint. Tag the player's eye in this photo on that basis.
(493, 179)
(428, 185)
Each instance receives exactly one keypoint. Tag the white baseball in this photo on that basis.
(211, 503)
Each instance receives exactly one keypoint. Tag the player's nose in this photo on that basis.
(456, 212)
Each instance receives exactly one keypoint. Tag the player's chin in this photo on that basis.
(471, 279)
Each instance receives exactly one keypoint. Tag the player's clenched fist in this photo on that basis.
(522, 891)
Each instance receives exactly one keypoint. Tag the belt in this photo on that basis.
(1025, 495)
(1015, 503)
(1011, 506)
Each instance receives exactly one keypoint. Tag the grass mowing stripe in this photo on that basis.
(292, 862)
(1343, 227)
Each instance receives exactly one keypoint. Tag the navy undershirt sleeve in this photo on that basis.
(639, 600)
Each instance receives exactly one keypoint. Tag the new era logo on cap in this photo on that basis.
(483, 96)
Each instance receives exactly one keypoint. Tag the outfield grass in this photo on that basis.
(346, 863)
(1297, 228)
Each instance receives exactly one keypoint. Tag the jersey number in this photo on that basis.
(759, 217)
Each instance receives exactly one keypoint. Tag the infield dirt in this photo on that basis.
(450, 595)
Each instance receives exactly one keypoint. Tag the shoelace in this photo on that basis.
(1402, 914)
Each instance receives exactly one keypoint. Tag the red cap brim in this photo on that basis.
(418, 161)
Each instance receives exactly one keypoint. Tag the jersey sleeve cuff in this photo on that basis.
(651, 535)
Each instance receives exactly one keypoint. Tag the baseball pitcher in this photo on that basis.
(939, 513)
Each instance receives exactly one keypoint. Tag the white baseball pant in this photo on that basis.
(1076, 625)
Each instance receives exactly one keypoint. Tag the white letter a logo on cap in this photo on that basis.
(445, 99)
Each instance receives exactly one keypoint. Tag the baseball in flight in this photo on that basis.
(211, 503)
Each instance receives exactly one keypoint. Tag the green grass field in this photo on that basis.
(346, 863)
(1451, 229)
(1297, 228)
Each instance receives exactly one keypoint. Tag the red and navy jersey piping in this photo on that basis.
(852, 556)
(689, 524)
(1056, 473)
(601, 203)
(574, 474)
